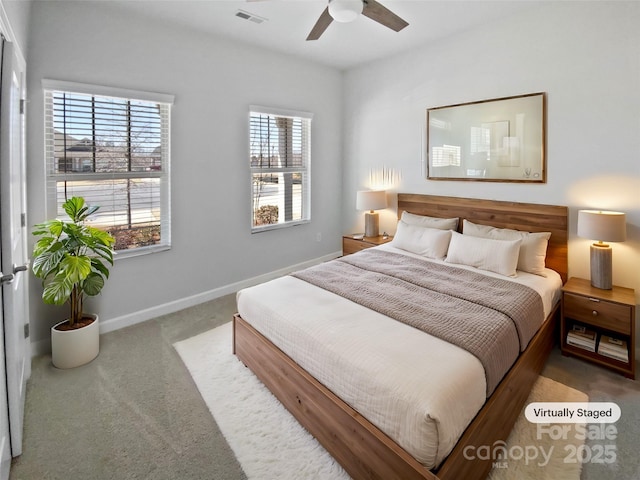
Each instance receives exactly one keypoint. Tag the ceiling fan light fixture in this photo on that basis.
(345, 11)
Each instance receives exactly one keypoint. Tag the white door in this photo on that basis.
(5, 442)
(13, 242)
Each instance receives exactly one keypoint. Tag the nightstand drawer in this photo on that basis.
(351, 245)
(598, 312)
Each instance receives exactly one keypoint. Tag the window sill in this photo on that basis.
(136, 252)
(277, 226)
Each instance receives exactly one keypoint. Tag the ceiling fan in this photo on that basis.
(348, 10)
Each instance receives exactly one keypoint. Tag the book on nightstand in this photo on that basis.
(614, 348)
(581, 337)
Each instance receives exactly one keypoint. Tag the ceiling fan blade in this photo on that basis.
(321, 25)
(383, 15)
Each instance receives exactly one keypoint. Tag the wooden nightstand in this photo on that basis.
(352, 245)
(607, 313)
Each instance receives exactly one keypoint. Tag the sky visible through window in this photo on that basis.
(266, 139)
(109, 121)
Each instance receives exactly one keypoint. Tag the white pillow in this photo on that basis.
(533, 249)
(428, 242)
(431, 222)
(499, 256)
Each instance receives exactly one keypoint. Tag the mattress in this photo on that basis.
(420, 390)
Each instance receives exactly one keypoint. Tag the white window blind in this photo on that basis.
(113, 151)
(279, 157)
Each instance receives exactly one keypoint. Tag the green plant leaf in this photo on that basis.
(75, 268)
(42, 245)
(100, 267)
(73, 206)
(105, 253)
(58, 290)
(93, 284)
(90, 211)
(48, 262)
(100, 236)
(52, 227)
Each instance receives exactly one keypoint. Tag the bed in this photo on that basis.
(369, 444)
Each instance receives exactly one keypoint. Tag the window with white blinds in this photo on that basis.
(279, 157)
(111, 147)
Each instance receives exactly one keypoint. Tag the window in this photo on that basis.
(279, 158)
(111, 147)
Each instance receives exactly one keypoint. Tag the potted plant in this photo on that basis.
(72, 260)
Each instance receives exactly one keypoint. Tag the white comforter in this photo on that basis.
(418, 389)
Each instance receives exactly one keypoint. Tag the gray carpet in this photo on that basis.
(135, 413)
(602, 385)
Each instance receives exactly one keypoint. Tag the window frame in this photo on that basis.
(304, 169)
(164, 175)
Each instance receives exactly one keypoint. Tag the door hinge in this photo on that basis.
(22, 102)
(26, 330)
(23, 220)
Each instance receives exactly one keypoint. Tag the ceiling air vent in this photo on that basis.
(249, 16)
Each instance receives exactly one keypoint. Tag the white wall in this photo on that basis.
(214, 81)
(584, 55)
(17, 14)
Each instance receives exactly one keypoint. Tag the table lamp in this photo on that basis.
(371, 200)
(603, 227)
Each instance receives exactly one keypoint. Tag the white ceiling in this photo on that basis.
(343, 45)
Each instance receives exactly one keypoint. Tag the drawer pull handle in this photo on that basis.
(594, 300)
(594, 313)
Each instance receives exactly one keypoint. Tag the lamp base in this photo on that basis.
(371, 224)
(601, 270)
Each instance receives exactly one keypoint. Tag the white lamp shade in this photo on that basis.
(345, 11)
(602, 226)
(371, 200)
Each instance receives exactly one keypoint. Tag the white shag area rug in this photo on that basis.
(270, 444)
(553, 458)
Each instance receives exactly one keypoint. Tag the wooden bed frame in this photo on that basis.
(362, 449)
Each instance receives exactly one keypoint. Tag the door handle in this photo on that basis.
(11, 276)
(20, 268)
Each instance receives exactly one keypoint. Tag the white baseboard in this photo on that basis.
(44, 346)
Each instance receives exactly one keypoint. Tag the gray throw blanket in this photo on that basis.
(492, 318)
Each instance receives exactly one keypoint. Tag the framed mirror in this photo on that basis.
(497, 140)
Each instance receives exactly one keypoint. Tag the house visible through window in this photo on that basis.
(279, 158)
(111, 147)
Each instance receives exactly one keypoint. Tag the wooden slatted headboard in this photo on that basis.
(528, 217)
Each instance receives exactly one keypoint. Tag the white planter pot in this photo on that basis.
(73, 348)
